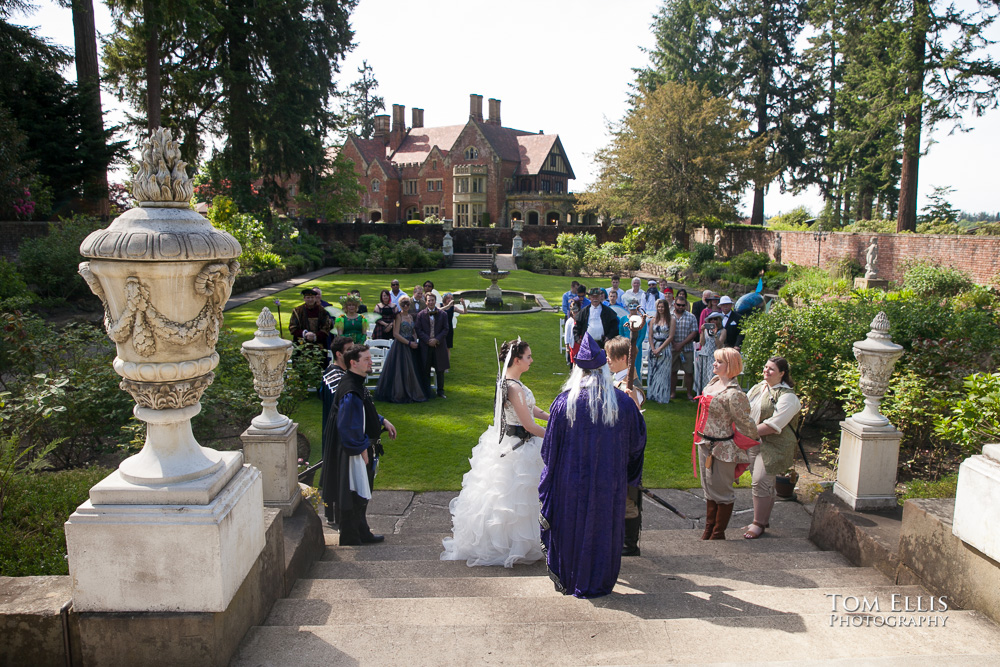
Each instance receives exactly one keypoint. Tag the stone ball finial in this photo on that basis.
(162, 179)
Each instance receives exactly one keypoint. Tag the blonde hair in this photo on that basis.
(618, 347)
(731, 358)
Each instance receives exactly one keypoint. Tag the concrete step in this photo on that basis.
(651, 546)
(787, 638)
(406, 569)
(541, 586)
(626, 603)
(471, 261)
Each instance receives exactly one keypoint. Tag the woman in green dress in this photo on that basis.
(352, 323)
(775, 409)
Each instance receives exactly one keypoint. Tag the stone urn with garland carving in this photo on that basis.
(164, 274)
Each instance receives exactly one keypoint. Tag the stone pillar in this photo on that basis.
(178, 526)
(869, 444)
(448, 244)
(270, 442)
(518, 244)
(977, 502)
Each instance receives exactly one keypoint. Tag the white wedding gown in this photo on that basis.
(495, 517)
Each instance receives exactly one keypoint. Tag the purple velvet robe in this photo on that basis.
(582, 491)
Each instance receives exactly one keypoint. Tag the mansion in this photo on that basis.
(477, 174)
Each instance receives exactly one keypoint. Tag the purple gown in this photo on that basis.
(582, 491)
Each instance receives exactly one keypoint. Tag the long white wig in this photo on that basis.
(602, 402)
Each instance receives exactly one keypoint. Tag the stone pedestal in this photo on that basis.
(871, 283)
(977, 502)
(273, 451)
(866, 468)
(169, 547)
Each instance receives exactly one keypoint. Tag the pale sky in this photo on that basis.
(560, 66)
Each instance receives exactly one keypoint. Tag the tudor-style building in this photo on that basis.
(477, 173)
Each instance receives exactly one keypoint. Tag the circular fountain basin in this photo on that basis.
(513, 302)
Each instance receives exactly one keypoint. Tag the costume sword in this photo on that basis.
(646, 492)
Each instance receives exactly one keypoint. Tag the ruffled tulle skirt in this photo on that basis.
(495, 517)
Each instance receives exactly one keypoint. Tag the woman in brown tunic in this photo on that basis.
(723, 432)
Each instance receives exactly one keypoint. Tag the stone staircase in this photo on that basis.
(682, 601)
(470, 261)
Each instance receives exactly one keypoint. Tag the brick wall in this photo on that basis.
(978, 256)
(465, 238)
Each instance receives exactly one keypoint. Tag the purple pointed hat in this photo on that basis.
(591, 355)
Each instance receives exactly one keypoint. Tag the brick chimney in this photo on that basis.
(418, 117)
(398, 126)
(381, 128)
(494, 112)
(476, 107)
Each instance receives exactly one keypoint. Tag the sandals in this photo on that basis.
(750, 535)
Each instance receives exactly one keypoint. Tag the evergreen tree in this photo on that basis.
(686, 48)
(363, 104)
(679, 156)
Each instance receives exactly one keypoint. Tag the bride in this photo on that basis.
(495, 517)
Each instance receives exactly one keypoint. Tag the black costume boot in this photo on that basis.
(632, 529)
(349, 534)
(367, 536)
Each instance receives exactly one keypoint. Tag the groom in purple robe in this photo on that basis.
(592, 452)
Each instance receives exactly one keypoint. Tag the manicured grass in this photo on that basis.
(436, 437)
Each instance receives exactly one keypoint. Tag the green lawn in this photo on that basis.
(436, 437)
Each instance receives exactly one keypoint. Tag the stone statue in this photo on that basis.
(777, 247)
(716, 240)
(871, 259)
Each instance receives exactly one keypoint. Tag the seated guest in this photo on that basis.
(351, 323)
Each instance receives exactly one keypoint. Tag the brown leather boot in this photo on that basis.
(710, 510)
(722, 515)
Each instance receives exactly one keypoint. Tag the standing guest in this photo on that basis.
(618, 350)
(636, 292)
(319, 293)
(653, 292)
(623, 330)
(613, 298)
(731, 323)
(592, 451)
(615, 282)
(387, 314)
(400, 381)
(310, 324)
(666, 291)
(600, 321)
(681, 293)
(352, 323)
(396, 293)
(711, 306)
(701, 305)
(362, 308)
(570, 339)
(419, 300)
(661, 332)
(452, 309)
(712, 335)
(428, 288)
(723, 412)
(432, 331)
(356, 443)
(775, 408)
(569, 296)
(685, 333)
(327, 390)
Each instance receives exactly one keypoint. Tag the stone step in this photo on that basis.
(968, 638)
(406, 569)
(652, 546)
(541, 586)
(627, 603)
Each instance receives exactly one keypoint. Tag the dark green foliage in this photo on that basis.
(845, 267)
(32, 538)
(50, 263)
(377, 252)
(749, 265)
(12, 285)
(701, 253)
(711, 271)
(933, 280)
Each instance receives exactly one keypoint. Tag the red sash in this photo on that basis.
(741, 441)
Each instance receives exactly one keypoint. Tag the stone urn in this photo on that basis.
(876, 355)
(163, 274)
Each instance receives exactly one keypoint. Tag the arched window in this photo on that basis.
(376, 185)
(552, 218)
(532, 217)
(515, 215)
(471, 153)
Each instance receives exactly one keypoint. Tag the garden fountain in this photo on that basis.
(495, 300)
(494, 295)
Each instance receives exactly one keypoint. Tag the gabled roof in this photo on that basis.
(535, 149)
(503, 140)
(373, 150)
(419, 141)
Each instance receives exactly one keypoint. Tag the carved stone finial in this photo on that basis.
(876, 356)
(267, 327)
(880, 327)
(161, 178)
